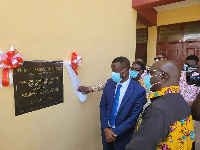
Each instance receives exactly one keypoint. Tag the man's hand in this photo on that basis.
(109, 135)
(83, 89)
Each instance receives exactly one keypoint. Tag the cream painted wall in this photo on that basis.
(49, 30)
(140, 25)
(151, 45)
(179, 15)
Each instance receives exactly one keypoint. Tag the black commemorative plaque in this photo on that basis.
(37, 84)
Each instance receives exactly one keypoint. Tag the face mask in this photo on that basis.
(133, 73)
(116, 76)
(147, 80)
(185, 67)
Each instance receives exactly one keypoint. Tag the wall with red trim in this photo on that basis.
(50, 30)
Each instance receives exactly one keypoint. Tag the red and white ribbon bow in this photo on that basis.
(71, 67)
(10, 60)
(75, 61)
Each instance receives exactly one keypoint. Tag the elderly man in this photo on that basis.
(167, 122)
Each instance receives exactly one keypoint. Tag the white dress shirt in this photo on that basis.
(122, 93)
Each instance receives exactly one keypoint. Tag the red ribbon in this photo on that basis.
(75, 61)
(5, 77)
(12, 59)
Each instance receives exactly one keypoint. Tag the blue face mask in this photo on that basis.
(147, 82)
(185, 68)
(133, 73)
(116, 76)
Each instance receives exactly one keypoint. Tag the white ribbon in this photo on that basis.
(3, 56)
(12, 48)
(11, 77)
(77, 61)
(76, 83)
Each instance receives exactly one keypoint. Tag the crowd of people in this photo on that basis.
(148, 109)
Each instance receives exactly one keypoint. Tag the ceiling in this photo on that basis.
(177, 5)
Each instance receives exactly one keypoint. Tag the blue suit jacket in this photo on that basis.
(129, 110)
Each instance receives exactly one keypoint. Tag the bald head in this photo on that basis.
(171, 73)
(170, 67)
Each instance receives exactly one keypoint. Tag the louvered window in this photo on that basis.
(141, 35)
(192, 31)
(179, 32)
(170, 33)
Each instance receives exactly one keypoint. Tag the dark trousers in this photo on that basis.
(119, 144)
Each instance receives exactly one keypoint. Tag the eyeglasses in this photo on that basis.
(158, 58)
(151, 71)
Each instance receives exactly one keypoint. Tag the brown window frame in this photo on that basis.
(182, 32)
(142, 29)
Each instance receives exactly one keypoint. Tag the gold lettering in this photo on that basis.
(22, 82)
(21, 70)
(24, 95)
(30, 83)
(56, 68)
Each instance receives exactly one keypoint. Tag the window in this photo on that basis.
(141, 36)
(192, 31)
(170, 33)
(179, 32)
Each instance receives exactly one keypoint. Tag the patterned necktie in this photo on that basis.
(115, 105)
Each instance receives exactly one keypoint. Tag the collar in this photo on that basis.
(164, 91)
(125, 83)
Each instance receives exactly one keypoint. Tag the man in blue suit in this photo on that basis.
(121, 103)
